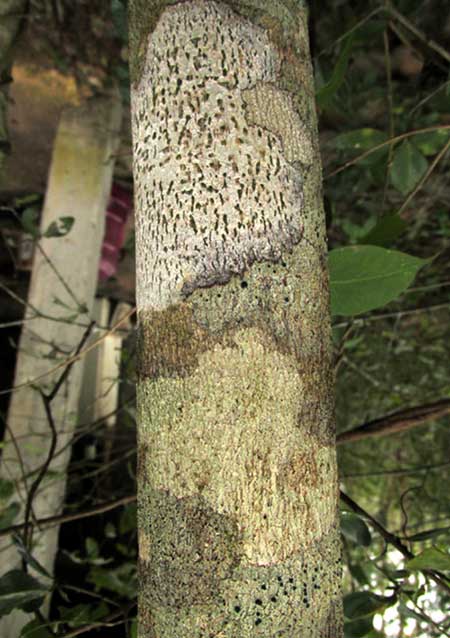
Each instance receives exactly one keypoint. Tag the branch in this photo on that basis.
(399, 421)
(393, 540)
(65, 518)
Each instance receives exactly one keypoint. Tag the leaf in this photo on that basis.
(19, 590)
(366, 277)
(29, 220)
(430, 533)
(8, 515)
(408, 167)
(361, 140)
(35, 629)
(6, 489)
(385, 231)
(355, 529)
(326, 92)
(430, 558)
(121, 580)
(358, 628)
(29, 559)
(60, 227)
(128, 519)
(431, 143)
(83, 614)
(364, 603)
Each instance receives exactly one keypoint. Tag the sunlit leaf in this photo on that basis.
(430, 558)
(60, 227)
(19, 590)
(366, 277)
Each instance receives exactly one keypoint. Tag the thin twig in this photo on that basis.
(422, 181)
(51, 521)
(398, 421)
(397, 138)
(73, 358)
(393, 540)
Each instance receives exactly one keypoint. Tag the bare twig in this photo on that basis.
(51, 521)
(397, 138)
(398, 421)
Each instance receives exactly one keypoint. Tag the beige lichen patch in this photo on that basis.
(215, 192)
(231, 433)
(274, 110)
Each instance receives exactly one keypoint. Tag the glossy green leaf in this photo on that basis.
(366, 277)
(386, 230)
(364, 603)
(408, 167)
(28, 557)
(325, 94)
(121, 580)
(355, 529)
(430, 558)
(360, 140)
(83, 614)
(358, 628)
(19, 590)
(60, 227)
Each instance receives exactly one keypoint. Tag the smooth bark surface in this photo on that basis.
(238, 517)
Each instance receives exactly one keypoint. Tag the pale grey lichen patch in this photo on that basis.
(215, 191)
(231, 433)
(274, 110)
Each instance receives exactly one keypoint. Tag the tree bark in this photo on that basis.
(12, 13)
(237, 479)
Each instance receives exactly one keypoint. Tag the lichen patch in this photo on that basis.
(215, 189)
(232, 434)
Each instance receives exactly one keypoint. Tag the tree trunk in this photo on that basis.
(237, 479)
(64, 276)
(12, 13)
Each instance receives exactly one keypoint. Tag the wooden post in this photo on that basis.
(60, 299)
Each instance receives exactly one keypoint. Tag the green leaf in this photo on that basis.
(27, 556)
(6, 489)
(430, 558)
(358, 628)
(19, 590)
(60, 227)
(8, 515)
(121, 580)
(355, 529)
(364, 603)
(29, 221)
(430, 533)
(128, 519)
(432, 142)
(83, 614)
(325, 94)
(35, 629)
(366, 277)
(385, 231)
(361, 140)
(408, 167)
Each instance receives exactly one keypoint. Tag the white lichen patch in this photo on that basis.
(274, 110)
(231, 433)
(215, 187)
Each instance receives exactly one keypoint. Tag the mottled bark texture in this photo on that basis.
(238, 519)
